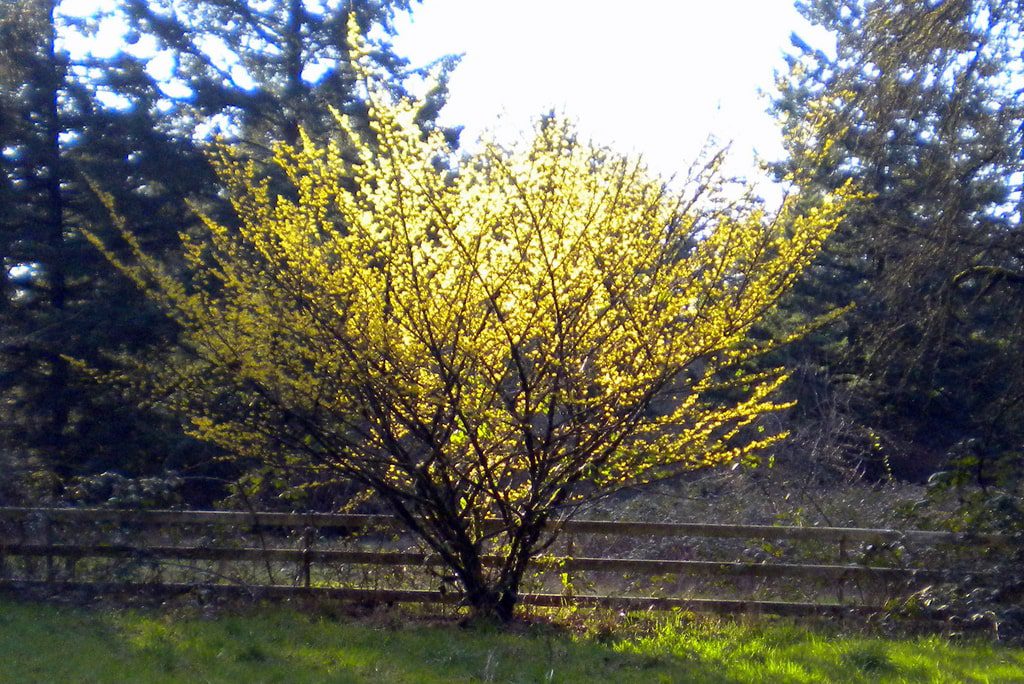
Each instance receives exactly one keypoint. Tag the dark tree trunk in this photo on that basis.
(294, 89)
(56, 400)
(492, 603)
(495, 598)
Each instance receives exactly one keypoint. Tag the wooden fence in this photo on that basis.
(42, 549)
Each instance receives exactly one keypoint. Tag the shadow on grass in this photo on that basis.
(48, 643)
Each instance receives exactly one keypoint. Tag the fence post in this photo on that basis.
(307, 541)
(843, 558)
(48, 540)
(568, 580)
(6, 537)
(28, 563)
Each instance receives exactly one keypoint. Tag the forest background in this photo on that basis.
(910, 405)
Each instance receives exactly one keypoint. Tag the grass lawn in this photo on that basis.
(46, 643)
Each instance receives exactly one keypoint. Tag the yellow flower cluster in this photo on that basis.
(505, 330)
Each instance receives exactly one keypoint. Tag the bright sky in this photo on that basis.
(655, 77)
(649, 76)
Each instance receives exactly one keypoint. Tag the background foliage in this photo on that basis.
(915, 394)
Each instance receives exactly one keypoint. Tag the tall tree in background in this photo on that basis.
(60, 300)
(254, 73)
(260, 71)
(68, 121)
(925, 101)
(31, 76)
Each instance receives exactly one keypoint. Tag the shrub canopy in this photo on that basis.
(481, 341)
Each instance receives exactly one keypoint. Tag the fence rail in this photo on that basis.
(563, 563)
(340, 521)
(386, 596)
(44, 519)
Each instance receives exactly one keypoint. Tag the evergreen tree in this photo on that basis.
(60, 300)
(261, 71)
(73, 123)
(925, 102)
(255, 74)
(32, 213)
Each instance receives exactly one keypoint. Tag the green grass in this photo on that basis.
(45, 643)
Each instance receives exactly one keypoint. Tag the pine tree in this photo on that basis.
(260, 71)
(33, 215)
(61, 301)
(925, 100)
(255, 73)
(75, 124)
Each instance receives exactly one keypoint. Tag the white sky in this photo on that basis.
(654, 77)
(649, 76)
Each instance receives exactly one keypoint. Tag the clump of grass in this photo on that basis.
(278, 644)
(871, 660)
